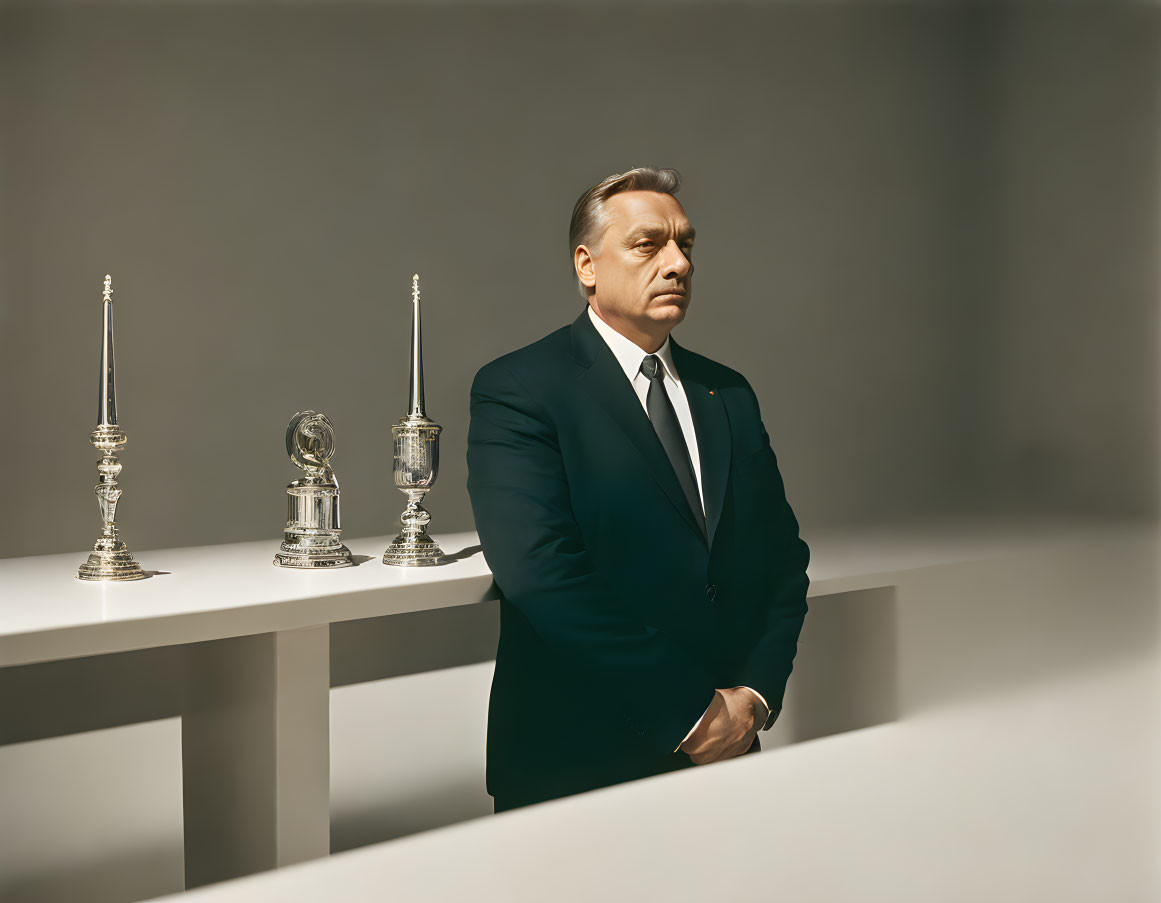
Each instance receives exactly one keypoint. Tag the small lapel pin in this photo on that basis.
(711, 391)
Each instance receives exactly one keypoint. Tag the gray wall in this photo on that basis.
(927, 233)
(1069, 360)
(892, 199)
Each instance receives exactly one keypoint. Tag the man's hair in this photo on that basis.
(589, 217)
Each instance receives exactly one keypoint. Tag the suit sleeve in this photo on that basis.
(534, 547)
(770, 660)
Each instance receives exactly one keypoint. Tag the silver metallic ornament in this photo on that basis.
(110, 559)
(312, 519)
(416, 462)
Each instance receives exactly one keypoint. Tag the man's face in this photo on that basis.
(644, 270)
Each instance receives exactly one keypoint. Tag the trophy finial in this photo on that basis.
(107, 382)
(310, 442)
(415, 407)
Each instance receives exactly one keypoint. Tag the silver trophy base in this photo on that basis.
(293, 553)
(418, 551)
(114, 563)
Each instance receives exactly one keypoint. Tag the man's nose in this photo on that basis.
(676, 265)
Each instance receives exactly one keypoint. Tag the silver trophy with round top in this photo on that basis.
(416, 446)
(312, 518)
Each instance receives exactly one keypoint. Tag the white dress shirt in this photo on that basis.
(630, 355)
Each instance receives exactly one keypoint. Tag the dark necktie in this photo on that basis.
(664, 420)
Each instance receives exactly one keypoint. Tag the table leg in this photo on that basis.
(256, 753)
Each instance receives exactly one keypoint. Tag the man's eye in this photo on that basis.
(644, 244)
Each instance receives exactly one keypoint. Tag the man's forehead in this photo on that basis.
(644, 210)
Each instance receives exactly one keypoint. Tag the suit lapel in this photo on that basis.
(603, 377)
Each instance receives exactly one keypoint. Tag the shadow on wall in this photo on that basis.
(846, 668)
(54, 699)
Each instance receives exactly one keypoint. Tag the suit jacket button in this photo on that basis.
(711, 592)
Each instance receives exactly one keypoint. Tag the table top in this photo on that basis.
(211, 592)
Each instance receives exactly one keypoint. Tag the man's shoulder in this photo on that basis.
(735, 390)
(710, 371)
(532, 363)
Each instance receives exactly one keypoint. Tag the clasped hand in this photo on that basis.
(728, 728)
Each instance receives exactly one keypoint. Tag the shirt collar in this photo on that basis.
(628, 353)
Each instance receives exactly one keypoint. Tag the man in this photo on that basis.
(652, 580)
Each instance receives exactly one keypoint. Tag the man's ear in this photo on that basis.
(585, 267)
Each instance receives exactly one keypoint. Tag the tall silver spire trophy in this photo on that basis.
(312, 532)
(110, 559)
(416, 447)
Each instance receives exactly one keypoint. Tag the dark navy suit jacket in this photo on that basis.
(617, 618)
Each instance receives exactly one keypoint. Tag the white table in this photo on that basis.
(255, 717)
(204, 593)
(1039, 783)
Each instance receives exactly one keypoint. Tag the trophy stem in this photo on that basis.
(413, 547)
(110, 559)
